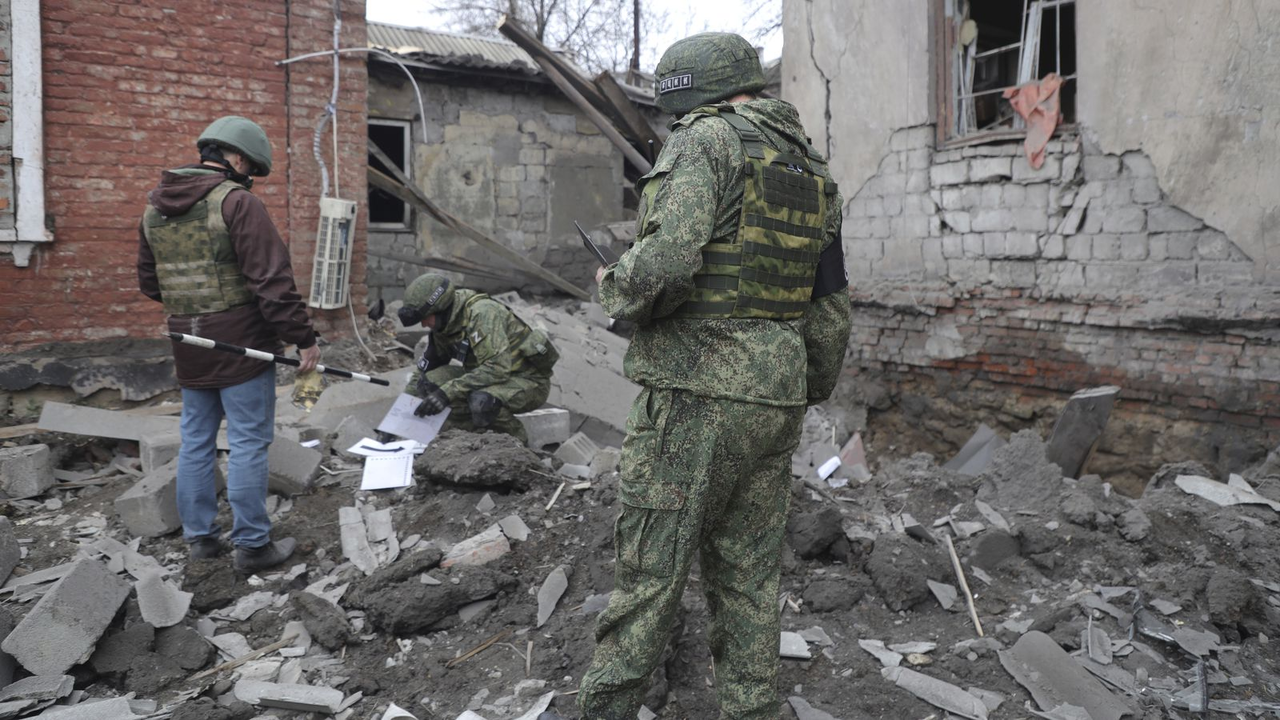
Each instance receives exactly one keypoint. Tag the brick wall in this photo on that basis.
(128, 86)
(969, 263)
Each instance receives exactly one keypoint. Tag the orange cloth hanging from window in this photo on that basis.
(1039, 105)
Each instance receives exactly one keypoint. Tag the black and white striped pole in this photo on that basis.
(269, 357)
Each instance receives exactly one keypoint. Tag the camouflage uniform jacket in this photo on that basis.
(501, 345)
(701, 169)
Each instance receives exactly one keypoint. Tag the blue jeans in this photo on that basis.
(250, 409)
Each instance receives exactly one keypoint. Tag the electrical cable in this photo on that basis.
(422, 112)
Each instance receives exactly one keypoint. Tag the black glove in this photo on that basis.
(484, 408)
(434, 401)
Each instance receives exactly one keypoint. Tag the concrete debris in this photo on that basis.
(914, 648)
(805, 711)
(246, 607)
(161, 603)
(945, 594)
(551, 591)
(940, 694)
(349, 433)
(1164, 607)
(150, 507)
(974, 458)
(307, 698)
(876, 648)
(578, 450)
(355, 540)
(184, 646)
(39, 688)
(575, 472)
(112, 709)
(291, 468)
(546, 427)
(1098, 645)
(811, 534)
(10, 553)
(486, 461)
(993, 700)
(1220, 494)
(606, 461)
(395, 712)
(156, 450)
(486, 504)
(478, 549)
(1079, 429)
(83, 420)
(364, 401)
(63, 628)
(232, 645)
(26, 471)
(792, 645)
(1054, 679)
(514, 528)
(817, 636)
(324, 621)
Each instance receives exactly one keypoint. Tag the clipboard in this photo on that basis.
(604, 255)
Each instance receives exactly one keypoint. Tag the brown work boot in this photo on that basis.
(251, 560)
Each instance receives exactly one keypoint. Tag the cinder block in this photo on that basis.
(150, 507)
(546, 426)
(157, 449)
(291, 467)
(953, 173)
(10, 553)
(26, 471)
(1171, 219)
(79, 420)
(1101, 167)
(578, 450)
(989, 169)
(63, 628)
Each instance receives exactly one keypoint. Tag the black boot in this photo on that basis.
(249, 560)
(204, 548)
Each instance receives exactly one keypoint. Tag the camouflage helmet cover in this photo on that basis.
(706, 68)
(427, 295)
(240, 135)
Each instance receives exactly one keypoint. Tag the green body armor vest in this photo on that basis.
(767, 270)
(195, 260)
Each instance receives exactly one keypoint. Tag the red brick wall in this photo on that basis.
(128, 86)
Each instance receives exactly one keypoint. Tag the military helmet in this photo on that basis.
(706, 68)
(243, 136)
(427, 295)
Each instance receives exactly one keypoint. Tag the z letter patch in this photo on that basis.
(675, 82)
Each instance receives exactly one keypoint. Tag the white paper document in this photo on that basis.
(368, 447)
(387, 472)
(401, 421)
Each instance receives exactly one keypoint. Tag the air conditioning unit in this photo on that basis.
(331, 273)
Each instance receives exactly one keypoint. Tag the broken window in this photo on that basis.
(392, 137)
(989, 46)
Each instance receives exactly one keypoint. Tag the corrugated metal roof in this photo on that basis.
(450, 48)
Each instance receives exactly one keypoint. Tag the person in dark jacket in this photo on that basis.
(209, 252)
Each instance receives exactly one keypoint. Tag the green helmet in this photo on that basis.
(706, 68)
(243, 136)
(427, 295)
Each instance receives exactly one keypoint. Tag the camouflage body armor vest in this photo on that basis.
(195, 260)
(767, 270)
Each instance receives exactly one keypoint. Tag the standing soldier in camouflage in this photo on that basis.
(209, 252)
(482, 361)
(737, 285)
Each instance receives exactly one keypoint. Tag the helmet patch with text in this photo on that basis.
(675, 82)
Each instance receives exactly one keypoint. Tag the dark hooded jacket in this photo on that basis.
(279, 316)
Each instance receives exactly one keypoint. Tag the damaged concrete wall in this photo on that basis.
(514, 159)
(6, 121)
(1116, 262)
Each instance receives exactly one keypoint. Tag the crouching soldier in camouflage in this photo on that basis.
(737, 287)
(482, 361)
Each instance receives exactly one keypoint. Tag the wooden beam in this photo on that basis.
(633, 123)
(544, 56)
(402, 188)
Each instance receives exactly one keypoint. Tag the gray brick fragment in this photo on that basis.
(1022, 244)
(1023, 172)
(1124, 220)
(10, 553)
(1146, 191)
(157, 449)
(1213, 246)
(63, 628)
(952, 173)
(547, 426)
(1134, 246)
(1171, 219)
(1182, 246)
(1079, 248)
(990, 169)
(578, 450)
(1101, 167)
(1106, 247)
(39, 688)
(26, 470)
(1138, 165)
(291, 467)
(1053, 247)
(150, 507)
(992, 220)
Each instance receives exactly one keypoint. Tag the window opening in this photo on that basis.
(994, 45)
(392, 137)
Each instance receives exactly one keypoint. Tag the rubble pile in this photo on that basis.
(993, 587)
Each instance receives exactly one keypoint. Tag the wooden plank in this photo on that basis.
(633, 122)
(401, 187)
(543, 55)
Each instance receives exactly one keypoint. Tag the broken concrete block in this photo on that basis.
(81, 420)
(937, 693)
(792, 645)
(546, 426)
(945, 594)
(323, 620)
(26, 470)
(575, 472)
(1053, 678)
(291, 467)
(184, 646)
(1079, 429)
(351, 431)
(876, 648)
(63, 628)
(150, 507)
(514, 528)
(39, 688)
(551, 591)
(307, 698)
(10, 553)
(578, 450)
(113, 709)
(158, 449)
(805, 711)
(976, 454)
(355, 540)
(606, 461)
(161, 603)
(478, 549)
(366, 401)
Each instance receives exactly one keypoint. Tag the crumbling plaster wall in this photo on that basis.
(515, 160)
(6, 121)
(1119, 261)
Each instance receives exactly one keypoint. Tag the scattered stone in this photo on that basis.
(355, 540)
(552, 590)
(1221, 494)
(514, 528)
(940, 694)
(805, 711)
(478, 549)
(1053, 678)
(478, 460)
(10, 553)
(817, 636)
(184, 646)
(944, 593)
(900, 567)
(876, 649)
(1230, 597)
(911, 648)
(547, 426)
(791, 645)
(212, 583)
(811, 534)
(1098, 646)
(577, 450)
(974, 458)
(308, 698)
(1020, 476)
(1164, 607)
(63, 628)
(575, 472)
(486, 504)
(39, 688)
(112, 709)
(162, 604)
(1078, 509)
(26, 471)
(1134, 525)
(396, 601)
(1079, 429)
(149, 673)
(831, 595)
(232, 645)
(326, 623)
(156, 450)
(291, 468)
(606, 461)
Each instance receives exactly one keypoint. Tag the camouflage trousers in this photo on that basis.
(706, 476)
(518, 394)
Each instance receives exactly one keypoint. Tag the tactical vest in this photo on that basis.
(767, 270)
(195, 260)
(533, 345)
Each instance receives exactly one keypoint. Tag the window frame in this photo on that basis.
(406, 127)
